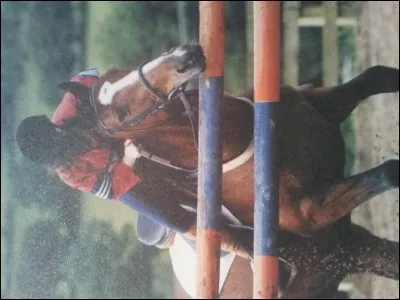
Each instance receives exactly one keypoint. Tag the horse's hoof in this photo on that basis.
(385, 79)
(392, 172)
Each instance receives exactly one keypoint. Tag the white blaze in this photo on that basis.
(108, 90)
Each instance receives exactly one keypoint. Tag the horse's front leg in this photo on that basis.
(338, 102)
(339, 199)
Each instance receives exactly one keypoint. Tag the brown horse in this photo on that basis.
(149, 105)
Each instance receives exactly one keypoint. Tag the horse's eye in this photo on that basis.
(121, 115)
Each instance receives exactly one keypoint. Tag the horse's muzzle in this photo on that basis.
(193, 58)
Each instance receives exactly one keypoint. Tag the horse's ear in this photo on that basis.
(79, 90)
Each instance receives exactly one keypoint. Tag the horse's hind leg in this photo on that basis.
(339, 199)
(337, 103)
(372, 254)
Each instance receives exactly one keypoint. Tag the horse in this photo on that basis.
(150, 105)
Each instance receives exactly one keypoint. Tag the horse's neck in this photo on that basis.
(175, 142)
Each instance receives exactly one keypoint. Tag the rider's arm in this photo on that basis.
(154, 200)
(119, 182)
(159, 205)
(92, 172)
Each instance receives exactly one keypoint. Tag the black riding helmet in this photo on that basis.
(38, 139)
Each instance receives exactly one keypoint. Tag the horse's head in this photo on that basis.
(131, 99)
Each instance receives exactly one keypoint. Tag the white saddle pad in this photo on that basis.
(184, 263)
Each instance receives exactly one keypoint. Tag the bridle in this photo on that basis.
(161, 102)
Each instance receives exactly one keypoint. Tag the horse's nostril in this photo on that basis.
(122, 115)
(190, 56)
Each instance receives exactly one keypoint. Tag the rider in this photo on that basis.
(89, 163)
(85, 162)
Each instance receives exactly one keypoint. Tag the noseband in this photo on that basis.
(161, 99)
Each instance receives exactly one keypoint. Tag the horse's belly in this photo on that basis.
(238, 192)
(238, 197)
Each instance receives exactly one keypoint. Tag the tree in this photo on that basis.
(106, 264)
(35, 48)
(291, 42)
(12, 76)
(43, 250)
(182, 21)
(149, 28)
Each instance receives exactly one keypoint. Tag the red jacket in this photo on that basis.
(90, 172)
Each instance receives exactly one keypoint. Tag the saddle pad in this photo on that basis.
(183, 258)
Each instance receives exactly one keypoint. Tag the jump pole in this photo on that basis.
(266, 183)
(208, 241)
